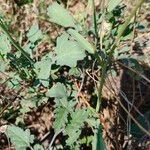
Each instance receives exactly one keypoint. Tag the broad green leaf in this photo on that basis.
(34, 34)
(57, 91)
(112, 4)
(20, 138)
(58, 14)
(5, 46)
(42, 69)
(68, 52)
(82, 41)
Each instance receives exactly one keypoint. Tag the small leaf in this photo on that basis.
(34, 34)
(57, 91)
(73, 137)
(112, 4)
(62, 109)
(3, 65)
(74, 72)
(60, 119)
(38, 147)
(128, 33)
(29, 48)
(42, 69)
(5, 46)
(68, 52)
(27, 105)
(60, 15)
(20, 138)
(82, 41)
(77, 121)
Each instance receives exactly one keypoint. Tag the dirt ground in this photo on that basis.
(40, 121)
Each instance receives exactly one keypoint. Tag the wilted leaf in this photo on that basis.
(81, 41)
(20, 138)
(68, 52)
(60, 15)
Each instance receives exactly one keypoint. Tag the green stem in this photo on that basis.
(104, 64)
(102, 81)
(128, 20)
(95, 21)
(117, 41)
(13, 42)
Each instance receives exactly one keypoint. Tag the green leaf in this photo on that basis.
(128, 33)
(26, 105)
(112, 4)
(28, 49)
(62, 108)
(77, 121)
(60, 15)
(3, 65)
(82, 41)
(86, 140)
(57, 91)
(20, 138)
(38, 147)
(74, 72)
(42, 69)
(60, 119)
(73, 136)
(5, 46)
(34, 34)
(68, 52)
